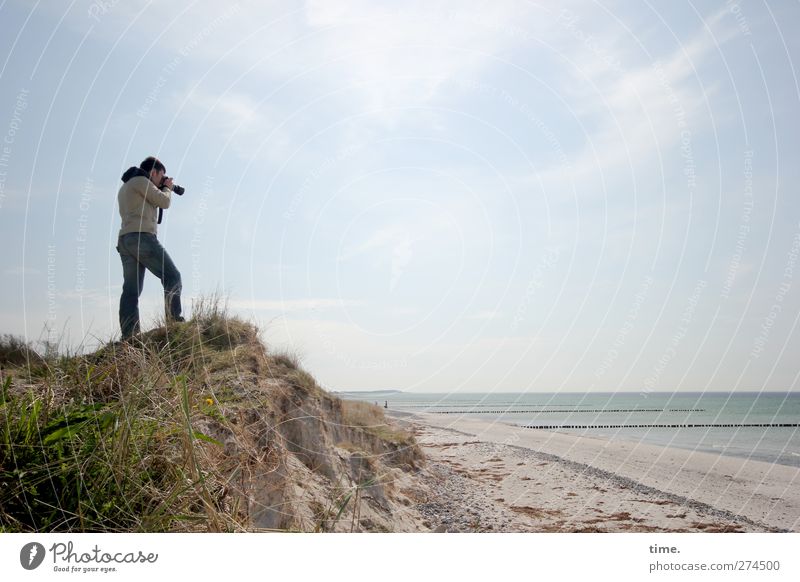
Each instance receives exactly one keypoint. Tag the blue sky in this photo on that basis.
(430, 196)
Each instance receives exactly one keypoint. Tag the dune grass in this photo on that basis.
(372, 419)
(108, 441)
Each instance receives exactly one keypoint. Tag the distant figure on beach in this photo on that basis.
(386, 404)
(144, 190)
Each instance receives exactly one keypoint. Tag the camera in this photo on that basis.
(179, 190)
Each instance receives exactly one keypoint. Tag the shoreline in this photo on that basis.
(723, 452)
(525, 480)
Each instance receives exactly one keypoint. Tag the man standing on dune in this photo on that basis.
(144, 190)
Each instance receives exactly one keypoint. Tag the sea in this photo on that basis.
(763, 426)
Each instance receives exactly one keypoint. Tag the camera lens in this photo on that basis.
(179, 190)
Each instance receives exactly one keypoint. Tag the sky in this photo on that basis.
(430, 196)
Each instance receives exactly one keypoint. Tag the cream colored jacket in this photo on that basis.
(139, 200)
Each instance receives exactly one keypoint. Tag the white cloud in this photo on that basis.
(292, 305)
(634, 120)
(485, 315)
(397, 239)
(246, 125)
(15, 271)
(232, 111)
(396, 54)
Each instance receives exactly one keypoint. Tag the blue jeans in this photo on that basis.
(140, 251)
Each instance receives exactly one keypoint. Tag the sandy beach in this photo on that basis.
(495, 477)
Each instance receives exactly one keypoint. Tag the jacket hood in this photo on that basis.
(132, 172)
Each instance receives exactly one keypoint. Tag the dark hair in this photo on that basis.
(149, 163)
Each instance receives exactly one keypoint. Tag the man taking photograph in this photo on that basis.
(144, 191)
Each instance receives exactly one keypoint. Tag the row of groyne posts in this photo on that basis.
(593, 410)
(701, 425)
(596, 410)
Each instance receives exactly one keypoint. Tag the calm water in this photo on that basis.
(617, 416)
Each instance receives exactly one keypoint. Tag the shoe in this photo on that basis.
(177, 319)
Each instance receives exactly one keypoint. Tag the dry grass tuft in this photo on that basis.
(15, 351)
(372, 419)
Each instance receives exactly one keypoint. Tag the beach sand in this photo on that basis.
(486, 476)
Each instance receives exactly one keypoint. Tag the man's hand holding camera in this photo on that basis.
(166, 182)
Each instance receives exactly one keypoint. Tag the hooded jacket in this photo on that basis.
(139, 200)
